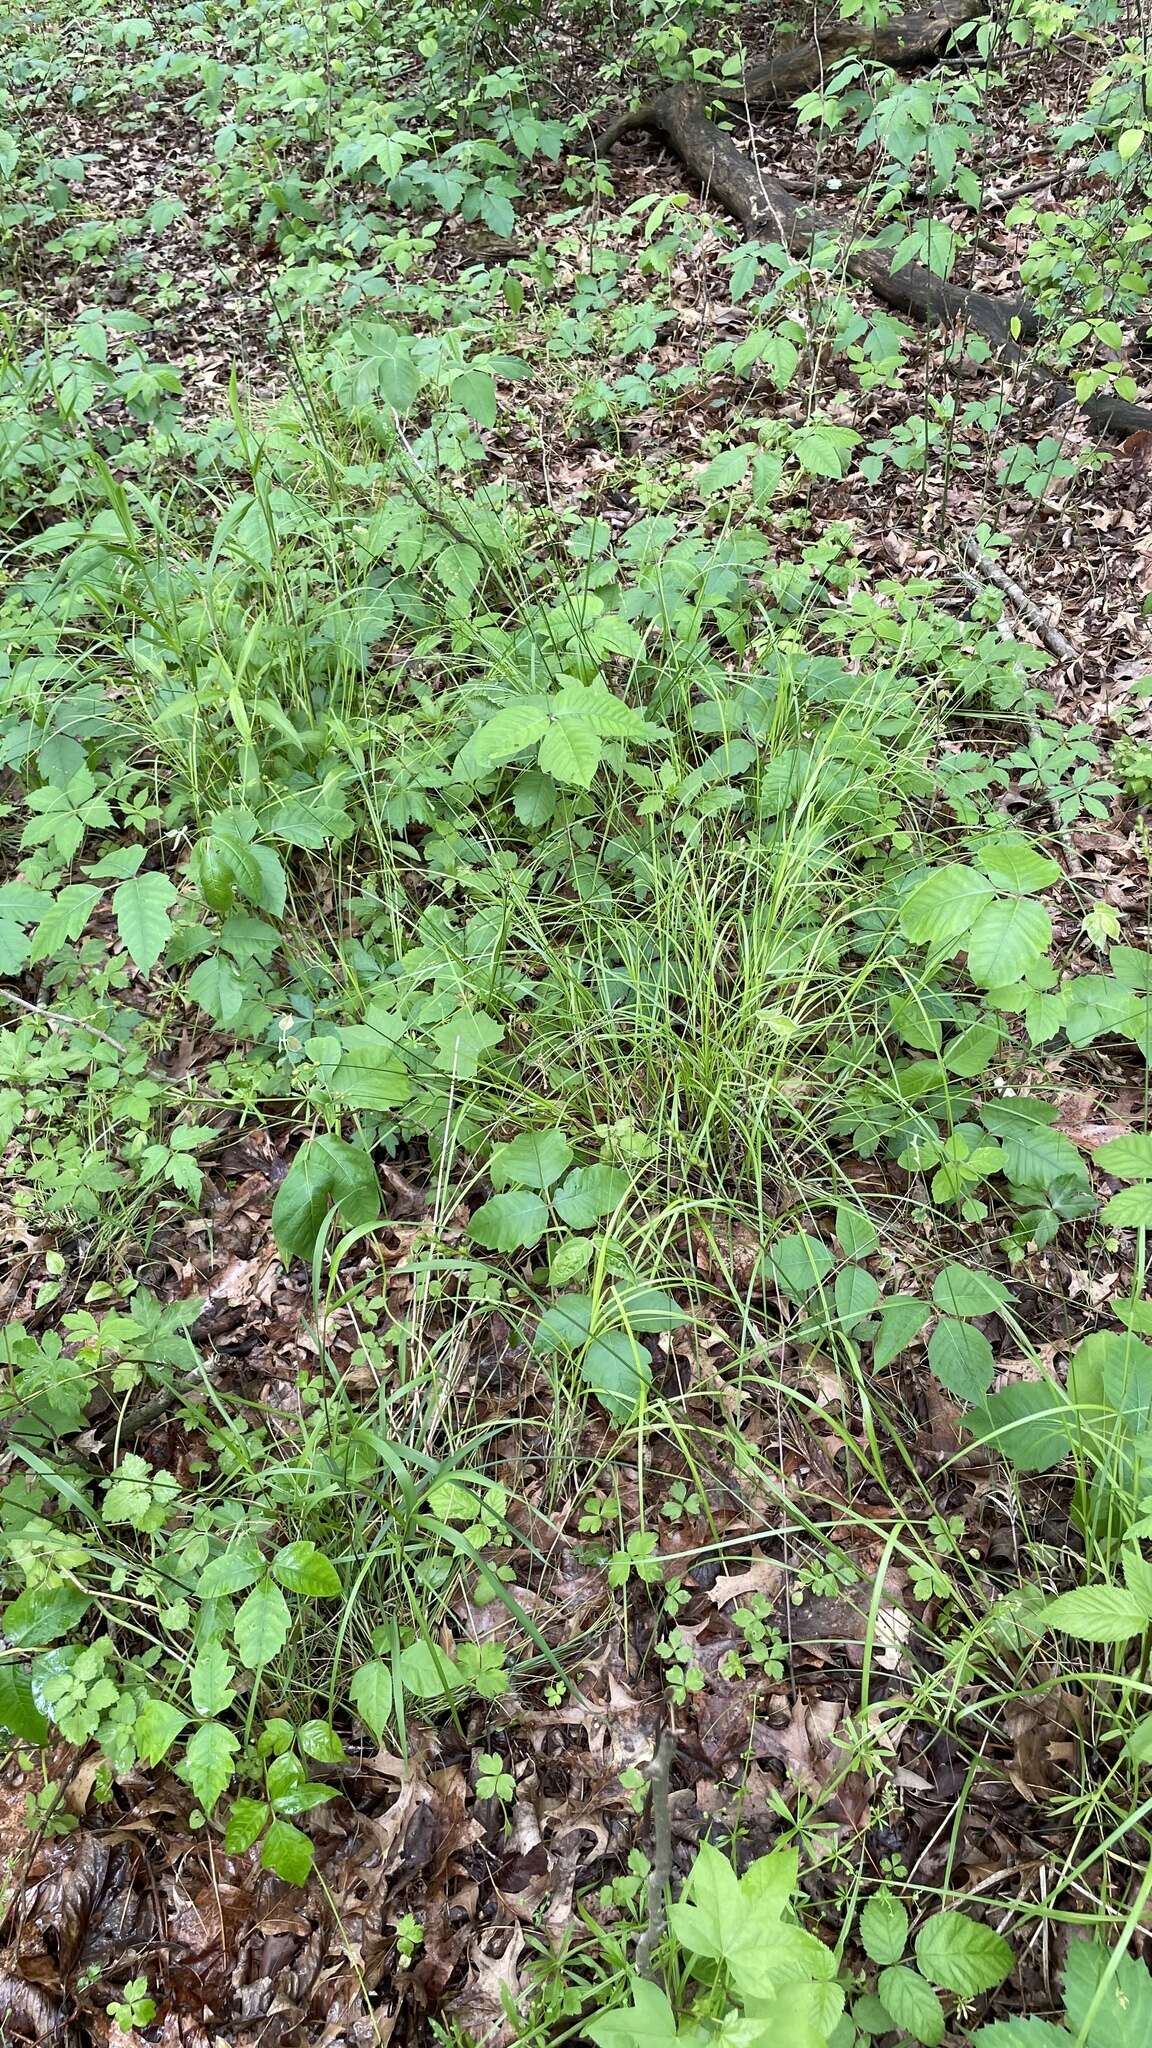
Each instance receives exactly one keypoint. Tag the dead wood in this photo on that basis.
(767, 211)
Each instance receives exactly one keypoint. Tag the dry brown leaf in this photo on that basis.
(762, 1576)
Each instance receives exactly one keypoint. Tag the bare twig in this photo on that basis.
(1044, 627)
(66, 1023)
(658, 1773)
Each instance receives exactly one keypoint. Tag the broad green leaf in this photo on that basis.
(232, 1572)
(1130, 1208)
(724, 471)
(570, 1259)
(972, 1051)
(649, 2022)
(965, 1291)
(371, 1073)
(1016, 865)
(1027, 1422)
(1020, 2033)
(534, 1160)
(319, 1740)
(208, 1762)
(1135, 1316)
(461, 1041)
(901, 1321)
(475, 390)
(246, 1818)
(1129, 1158)
(961, 1358)
(799, 1263)
(591, 1192)
(565, 1326)
(157, 1725)
(459, 567)
(534, 798)
(912, 2004)
(648, 1310)
(856, 1234)
(305, 1569)
(287, 1852)
(261, 1626)
(942, 908)
(325, 1173)
(1098, 1614)
(393, 368)
(1035, 1156)
(426, 1672)
(571, 750)
(884, 1928)
(44, 1614)
(1123, 2018)
(704, 1919)
(511, 1222)
(855, 1293)
(140, 907)
(371, 1695)
(1006, 939)
(500, 739)
(210, 1680)
(19, 1713)
(617, 1369)
(962, 1955)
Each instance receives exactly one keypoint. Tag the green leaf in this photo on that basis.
(157, 1725)
(208, 1762)
(371, 1695)
(500, 739)
(231, 1572)
(246, 1818)
(534, 798)
(371, 1073)
(319, 1740)
(1035, 1156)
(261, 1627)
(304, 1569)
(972, 1051)
(961, 1359)
(325, 1173)
(19, 1713)
(43, 1614)
(461, 1041)
(591, 1192)
(459, 567)
(1027, 1422)
(287, 1852)
(1130, 1208)
(571, 750)
(140, 907)
(534, 1160)
(884, 1928)
(569, 1260)
(965, 1291)
(1098, 1614)
(724, 471)
(704, 1919)
(649, 1310)
(912, 2004)
(426, 1672)
(475, 390)
(962, 1955)
(1018, 2033)
(856, 1234)
(649, 2022)
(510, 1222)
(1129, 1158)
(565, 1327)
(210, 1680)
(1016, 865)
(617, 1369)
(799, 1263)
(856, 1293)
(1123, 2018)
(901, 1321)
(1005, 941)
(941, 909)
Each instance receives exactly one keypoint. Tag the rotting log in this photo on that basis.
(768, 211)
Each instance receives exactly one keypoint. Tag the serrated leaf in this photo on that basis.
(901, 1321)
(884, 1928)
(1123, 2017)
(591, 1192)
(961, 1359)
(965, 1291)
(1097, 1614)
(287, 1852)
(157, 1725)
(511, 1222)
(19, 1713)
(1129, 1158)
(371, 1695)
(507, 733)
(962, 1955)
(140, 907)
(246, 1818)
(912, 2004)
(942, 908)
(1017, 865)
(571, 750)
(210, 1680)
(305, 1569)
(1005, 941)
(1130, 1208)
(534, 1160)
(261, 1627)
(208, 1762)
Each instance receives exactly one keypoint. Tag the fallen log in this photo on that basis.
(768, 211)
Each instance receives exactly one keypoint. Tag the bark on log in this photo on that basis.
(767, 211)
